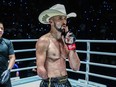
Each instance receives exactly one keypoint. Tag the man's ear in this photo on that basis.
(50, 21)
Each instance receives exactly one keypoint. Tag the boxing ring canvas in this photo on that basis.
(34, 81)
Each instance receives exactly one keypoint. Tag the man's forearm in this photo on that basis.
(11, 62)
(74, 60)
(42, 73)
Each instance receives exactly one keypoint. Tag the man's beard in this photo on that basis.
(58, 27)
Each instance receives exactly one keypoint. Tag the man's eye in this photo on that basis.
(60, 18)
(2, 28)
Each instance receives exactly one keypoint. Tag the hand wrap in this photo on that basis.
(70, 40)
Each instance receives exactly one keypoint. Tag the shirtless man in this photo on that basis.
(53, 48)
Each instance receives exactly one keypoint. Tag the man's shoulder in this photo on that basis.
(43, 41)
(6, 40)
(44, 37)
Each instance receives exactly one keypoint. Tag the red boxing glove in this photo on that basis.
(71, 46)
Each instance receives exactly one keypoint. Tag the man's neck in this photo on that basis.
(56, 35)
(0, 39)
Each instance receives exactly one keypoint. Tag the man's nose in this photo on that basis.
(64, 22)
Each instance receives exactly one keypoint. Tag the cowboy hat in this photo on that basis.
(55, 10)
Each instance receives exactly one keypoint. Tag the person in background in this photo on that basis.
(53, 48)
(33, 71)
(15, 74)
(6, 53)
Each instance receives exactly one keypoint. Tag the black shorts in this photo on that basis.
(55, 82)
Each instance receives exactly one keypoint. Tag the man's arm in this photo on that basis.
(74, 60)
(11, 56)
(6, 74)
(41, 48)
(71, 47)
(11, 61)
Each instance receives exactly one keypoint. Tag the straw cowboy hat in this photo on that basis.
(55, 10)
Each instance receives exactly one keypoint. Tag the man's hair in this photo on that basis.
(1, 22)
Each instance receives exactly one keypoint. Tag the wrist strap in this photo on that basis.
(71, 46)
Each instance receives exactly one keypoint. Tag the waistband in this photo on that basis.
(57, 79)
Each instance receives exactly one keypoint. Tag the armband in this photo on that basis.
(71, 46)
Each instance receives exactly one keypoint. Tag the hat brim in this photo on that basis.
(47, 14)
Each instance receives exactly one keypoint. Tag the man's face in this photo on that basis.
(1, 30)
(60, 23)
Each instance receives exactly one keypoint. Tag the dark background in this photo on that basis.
(96, 20)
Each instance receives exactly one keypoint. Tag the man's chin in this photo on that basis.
(0, 35)
(59, 30)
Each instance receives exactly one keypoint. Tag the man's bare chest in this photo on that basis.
(56, 50)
